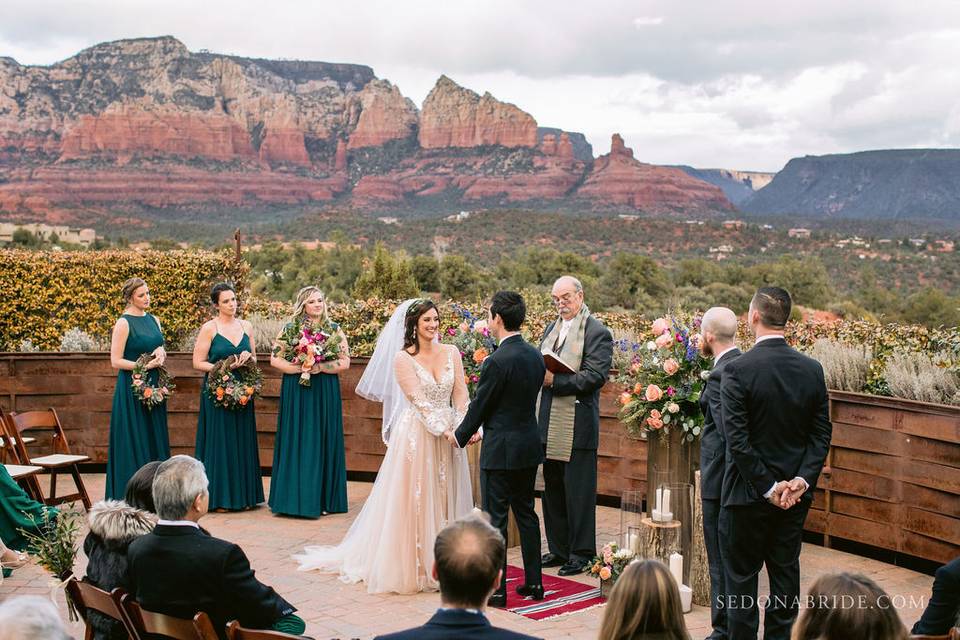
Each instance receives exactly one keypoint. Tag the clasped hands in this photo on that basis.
(159, 358)
(240, 359)
(787, 493)
(452, 439)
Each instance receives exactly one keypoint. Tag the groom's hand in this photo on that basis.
(475, 438)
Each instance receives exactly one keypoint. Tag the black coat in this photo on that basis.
(113, 526)
(943, 609)
(180, 570)
(776, 421)
(585, 384)
(712, 443)
(451, 624)
(505, 404)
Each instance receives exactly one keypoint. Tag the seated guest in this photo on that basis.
(32, 617)
(645, 603)
(943, 609)
(19, 512)
(114, 524)
(468, 557)
(841, 606)
(177, 569)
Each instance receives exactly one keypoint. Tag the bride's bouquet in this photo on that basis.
(473, 339)
(305, 345)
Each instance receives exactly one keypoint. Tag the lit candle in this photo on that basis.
(686, 598)
(676, 568)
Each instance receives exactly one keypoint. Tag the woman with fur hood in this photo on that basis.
(114, 524)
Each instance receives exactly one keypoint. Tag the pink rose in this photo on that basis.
(607, 557)
(670, 366)
(660, 326)
(664, 340)
(655, 414)
(653, 393)
(654, 423)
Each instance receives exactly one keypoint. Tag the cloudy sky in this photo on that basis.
(741, 84)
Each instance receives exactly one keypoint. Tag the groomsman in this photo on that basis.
(776, 420)
(570, 428)
(718, 330)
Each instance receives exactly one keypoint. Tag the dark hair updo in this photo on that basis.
(412, 318)
(219, 288)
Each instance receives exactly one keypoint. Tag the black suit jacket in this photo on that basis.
(712, 443)
(776, 421)
(943, 608)
(179, 570)
(505, 404)
(450, 624)
(585, 384)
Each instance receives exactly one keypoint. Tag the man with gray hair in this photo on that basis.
(569, 418)
(31, 617)
(718, 331)
(179, 570)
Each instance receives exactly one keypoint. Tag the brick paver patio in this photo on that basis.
(336, 610)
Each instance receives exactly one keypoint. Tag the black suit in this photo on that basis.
(180, 570)
(570, 488)
(943, 609)
(712, 464)
(776, 421)
(505, 404)
(450, 624)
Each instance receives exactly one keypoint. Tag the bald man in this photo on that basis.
(718, 328)
(570, 428)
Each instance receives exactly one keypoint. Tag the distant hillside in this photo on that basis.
(738, 186)
(888, 184)
(582, 149)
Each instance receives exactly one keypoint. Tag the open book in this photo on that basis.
(554, 364)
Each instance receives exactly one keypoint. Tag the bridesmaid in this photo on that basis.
(309, 464)
(226, 438)
(137, 435)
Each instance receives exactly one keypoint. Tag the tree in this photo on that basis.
(426, 271)
(459, 280)
(631, 281)
(541, 266)
(806, 279)
(24, 238)
(931, 307)
(385, 276)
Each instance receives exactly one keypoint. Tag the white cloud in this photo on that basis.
(647, 21)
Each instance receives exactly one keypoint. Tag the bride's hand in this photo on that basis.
(475, 438)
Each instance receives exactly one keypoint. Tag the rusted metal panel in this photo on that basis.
(861, 415)
(944, 527)
(864, 484)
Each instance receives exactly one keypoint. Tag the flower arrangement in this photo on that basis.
(151, 395)
(234, 388)
(664, 379)
(611, 562)
(54, 544)
(305, 345)
(473, 339)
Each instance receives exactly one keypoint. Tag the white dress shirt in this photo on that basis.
(178, 523)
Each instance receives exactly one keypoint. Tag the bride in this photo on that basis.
(423, 482)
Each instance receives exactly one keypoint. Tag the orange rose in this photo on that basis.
(655, 414)
(654, 423)
(637, 389)
(625, 398)
(147, 392)
(244, 400)
(653, 393)
(605, 573)
(249, 390)
(670, 366)
(479, 355)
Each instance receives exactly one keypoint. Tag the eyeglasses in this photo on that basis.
(567, 297)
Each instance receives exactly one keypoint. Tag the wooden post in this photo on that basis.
(659, 539)
(699, 565)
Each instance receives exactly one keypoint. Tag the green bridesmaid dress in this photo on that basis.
(309, 464)
(18, 511)
(227, 441)
(137, 435)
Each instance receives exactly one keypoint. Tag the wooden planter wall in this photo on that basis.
(893, 476)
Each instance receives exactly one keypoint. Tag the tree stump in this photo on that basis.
(659, 539)
(699, 565)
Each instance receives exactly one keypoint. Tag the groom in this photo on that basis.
(505, 405)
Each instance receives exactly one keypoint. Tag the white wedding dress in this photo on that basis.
(423, 484)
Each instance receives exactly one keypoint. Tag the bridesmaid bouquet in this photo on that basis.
(302, 344)
(233, 389)
(151, 395)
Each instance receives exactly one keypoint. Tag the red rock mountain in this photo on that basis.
(148, 123)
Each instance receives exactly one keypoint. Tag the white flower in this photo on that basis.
(651, 346)
(673, 407)
(623, 554)
(704, 375)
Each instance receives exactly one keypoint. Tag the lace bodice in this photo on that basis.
(440, 403)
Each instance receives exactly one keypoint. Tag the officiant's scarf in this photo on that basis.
(563, 408)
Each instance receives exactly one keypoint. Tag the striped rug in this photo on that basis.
(562, 596)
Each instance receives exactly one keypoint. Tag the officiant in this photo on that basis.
(578, 350)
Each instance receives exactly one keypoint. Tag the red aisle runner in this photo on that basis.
(562, 596)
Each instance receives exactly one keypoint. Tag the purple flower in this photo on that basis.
(671, 391)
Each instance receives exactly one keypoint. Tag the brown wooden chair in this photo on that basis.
(19, 469)
(54, 463)
(6, 444)
(87, 598)
(953, 634)
(149, 622)
(236, 632)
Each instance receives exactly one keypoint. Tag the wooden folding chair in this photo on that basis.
(88, 598)
(149, 622)
(21, 471)
(236, 632)
(61, 459)
(6, 444)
